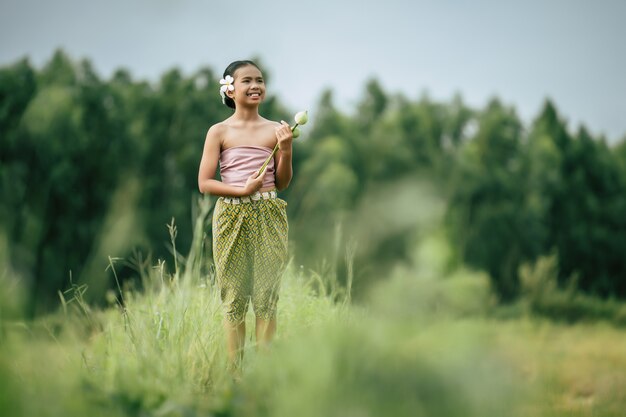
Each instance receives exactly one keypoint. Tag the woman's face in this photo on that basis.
(249, 86)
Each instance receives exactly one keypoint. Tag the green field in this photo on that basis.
(417, 346)
(447, 259)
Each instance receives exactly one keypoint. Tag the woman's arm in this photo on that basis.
(207, 184)
(284, 169)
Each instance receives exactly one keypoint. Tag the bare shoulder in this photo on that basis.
(217, 132)
(218, 128)
(270, 123)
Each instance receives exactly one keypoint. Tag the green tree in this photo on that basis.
(484, 219)
(589, 222)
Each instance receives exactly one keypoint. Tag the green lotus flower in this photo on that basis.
(301, 118)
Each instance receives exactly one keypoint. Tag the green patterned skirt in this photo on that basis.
(250, 254)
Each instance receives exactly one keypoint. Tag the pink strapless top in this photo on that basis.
(239, 162)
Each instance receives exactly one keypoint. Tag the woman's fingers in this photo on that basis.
(283, 132)
(256, 176)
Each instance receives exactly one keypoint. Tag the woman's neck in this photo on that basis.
(246, 114)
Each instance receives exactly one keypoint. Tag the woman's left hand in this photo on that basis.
(284, 135)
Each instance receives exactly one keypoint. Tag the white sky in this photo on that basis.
(573, 51)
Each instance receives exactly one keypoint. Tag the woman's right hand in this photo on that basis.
(254, 183)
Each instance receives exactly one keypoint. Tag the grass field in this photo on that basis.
(415, 347)
(424, 341)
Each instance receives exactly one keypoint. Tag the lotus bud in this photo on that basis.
(296, 132)
(301, 117)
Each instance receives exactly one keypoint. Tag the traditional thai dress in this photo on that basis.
(249, 237)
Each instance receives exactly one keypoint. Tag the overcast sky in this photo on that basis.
(572, 51)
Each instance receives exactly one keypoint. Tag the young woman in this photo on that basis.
(249, 221)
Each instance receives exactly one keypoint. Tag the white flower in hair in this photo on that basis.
(227, 85)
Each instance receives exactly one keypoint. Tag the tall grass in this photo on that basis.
(422, 343)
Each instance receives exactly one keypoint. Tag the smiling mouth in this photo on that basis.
(254, 95)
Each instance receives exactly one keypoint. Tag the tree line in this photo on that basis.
(93, 167)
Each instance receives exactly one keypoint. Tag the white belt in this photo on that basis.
(266, 195)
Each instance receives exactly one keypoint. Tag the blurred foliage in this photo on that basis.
(542, 296)
(91, 168)
(426, 344)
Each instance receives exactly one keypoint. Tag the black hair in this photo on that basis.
(230, 70)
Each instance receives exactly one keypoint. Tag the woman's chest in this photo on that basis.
(249, 137)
